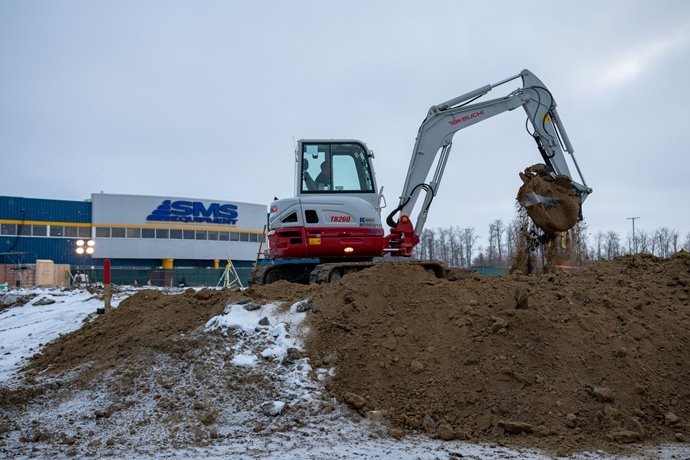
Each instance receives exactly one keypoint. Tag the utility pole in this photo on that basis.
(634, 239)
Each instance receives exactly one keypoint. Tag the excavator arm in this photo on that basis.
(435, 138)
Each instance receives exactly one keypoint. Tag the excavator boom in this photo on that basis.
(444, 120)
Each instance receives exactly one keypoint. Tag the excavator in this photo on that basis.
(333, 225)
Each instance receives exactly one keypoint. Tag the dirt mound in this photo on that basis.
(570, 361)
(567, 361)
(148, 322)
(552, 203)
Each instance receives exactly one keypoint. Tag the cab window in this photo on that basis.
(335, 168)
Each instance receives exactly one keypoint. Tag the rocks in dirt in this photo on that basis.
(303, 306)
(625, 436)
(428, 423)
(601, 394)
(331, 359)
(36, 436)
(355, 400)
(390, 343)
(273, 408)
(13, 300)
(445, 432)
(671, 418)
(571, 420)
(499, 326)
(513, 427)
(293, 354)
(416, 367)
(521, 298)
(208, 418)
(264, 321)
(400, 331)
(251, 306)
(44, 301)
(395, 433)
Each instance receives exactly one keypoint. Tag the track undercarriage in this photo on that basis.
(313, 273)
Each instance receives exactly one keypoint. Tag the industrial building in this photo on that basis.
(133, 231)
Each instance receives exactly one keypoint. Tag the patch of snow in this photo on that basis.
(246, 360)
(25, 329)
(282, 335)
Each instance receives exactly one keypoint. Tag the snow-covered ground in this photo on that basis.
(51, 312)
(263, 337)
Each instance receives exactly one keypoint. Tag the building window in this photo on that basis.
(234, 236)
(102, 232)
(57, 230)
(118, 232)
(8, 229)
(223, 236)
(244, 237)
(188, 234)
(254, 237)
(40, 230)
(148, 233)
(84, 232)
(213, 236)
(23, 229)
(176, 234)
(163, 233)
(71, 232)
(201, 235)
(133, 233)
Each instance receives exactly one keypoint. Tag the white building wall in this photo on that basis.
(175, 213)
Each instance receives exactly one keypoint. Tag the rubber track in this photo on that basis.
(323, 272)
(267, 274)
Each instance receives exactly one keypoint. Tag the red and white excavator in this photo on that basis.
(333, 224)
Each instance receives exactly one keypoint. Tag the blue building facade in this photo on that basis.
(33, 229)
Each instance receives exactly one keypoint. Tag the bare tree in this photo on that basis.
(642, 238)
(612, 243)
(469, 239)
(599, 238)
(674, 241)
(578, 241)
(499, 229)
(662, 242)
(455, 247)
(687, 242)
(511, 240)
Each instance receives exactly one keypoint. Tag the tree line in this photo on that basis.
(459, 246)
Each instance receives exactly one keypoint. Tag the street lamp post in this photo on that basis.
(84, 248)
(88, 248)
(633, 228)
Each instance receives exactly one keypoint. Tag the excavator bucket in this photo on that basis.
(551, 202)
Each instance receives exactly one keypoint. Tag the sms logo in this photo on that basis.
(194, 211)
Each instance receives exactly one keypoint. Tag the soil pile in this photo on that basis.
(574, 361)
(146, 323)
(552, 203)
(148, 376)
(591, 359)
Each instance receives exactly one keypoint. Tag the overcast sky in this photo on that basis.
(205, 99)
